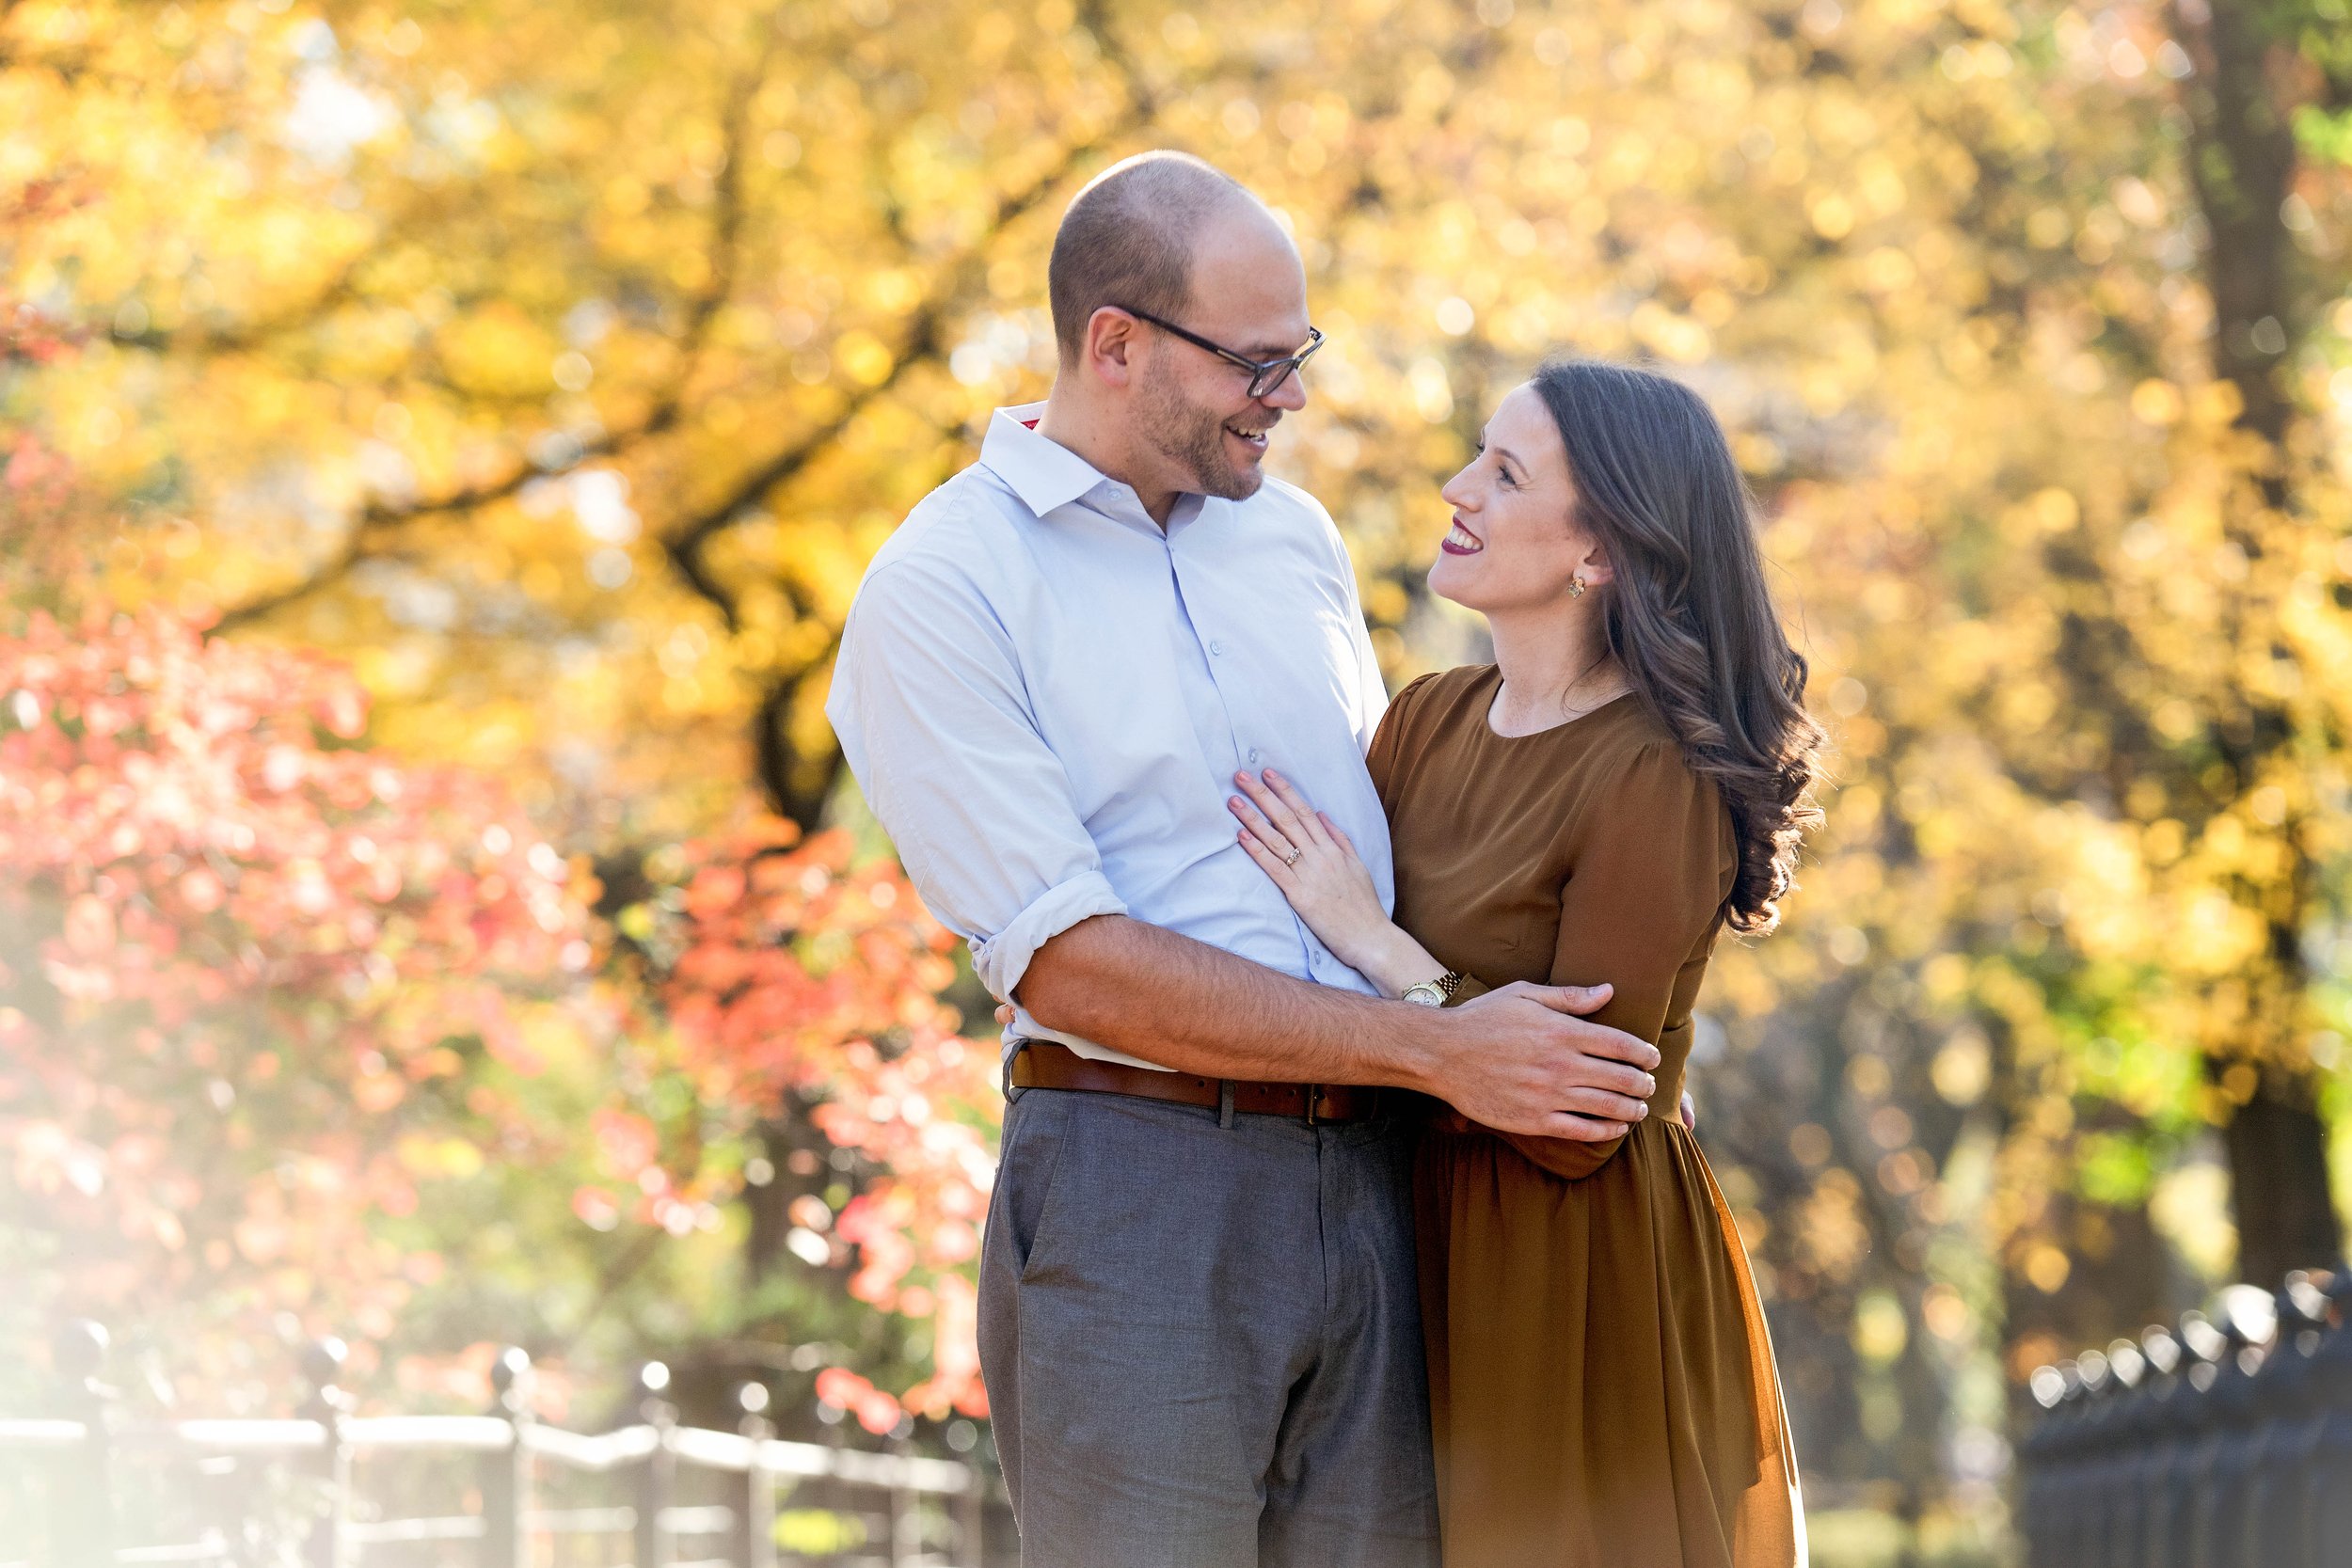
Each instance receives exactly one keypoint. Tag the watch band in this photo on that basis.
(1442, 989)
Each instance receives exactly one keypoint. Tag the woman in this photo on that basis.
(1629, 778)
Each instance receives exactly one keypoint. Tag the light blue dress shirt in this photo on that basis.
(1045, 697)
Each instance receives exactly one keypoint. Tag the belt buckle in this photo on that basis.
(1314, 1103)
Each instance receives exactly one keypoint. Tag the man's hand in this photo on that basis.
(1519, 1060)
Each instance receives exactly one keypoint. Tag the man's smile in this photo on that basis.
(1254, 439)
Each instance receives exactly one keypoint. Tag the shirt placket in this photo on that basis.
(1227, 660)
(1203, 614)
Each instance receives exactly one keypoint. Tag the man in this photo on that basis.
(1198, 1326)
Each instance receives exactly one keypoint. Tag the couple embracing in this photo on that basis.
(1346, 1214)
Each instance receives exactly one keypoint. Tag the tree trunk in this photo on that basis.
(797, 787)
(2278, 1147)
(2242, 164)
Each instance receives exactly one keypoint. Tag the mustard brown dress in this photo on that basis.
(1601, 1382)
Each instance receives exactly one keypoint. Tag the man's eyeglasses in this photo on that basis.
(1266, 376)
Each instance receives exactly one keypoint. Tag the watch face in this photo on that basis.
(1426, 994)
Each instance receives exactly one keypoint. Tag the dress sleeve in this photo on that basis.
(933, 719)
(1647, 884)
(1388, 741)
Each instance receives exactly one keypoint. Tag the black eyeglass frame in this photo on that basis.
(1259, 370)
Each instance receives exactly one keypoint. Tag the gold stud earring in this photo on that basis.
(1575, 587)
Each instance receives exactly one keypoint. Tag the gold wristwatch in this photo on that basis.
(1434, 993)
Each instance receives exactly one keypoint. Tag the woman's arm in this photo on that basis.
(1650, 873)
(1324, 880)
(1319, 871)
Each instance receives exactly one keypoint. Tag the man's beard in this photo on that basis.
(1194, 438)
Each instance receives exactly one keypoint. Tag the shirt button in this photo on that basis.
(1253, 753)
(1217, 648)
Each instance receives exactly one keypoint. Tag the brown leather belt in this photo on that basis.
(1047, 1065)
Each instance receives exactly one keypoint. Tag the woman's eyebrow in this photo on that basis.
(1508, 455)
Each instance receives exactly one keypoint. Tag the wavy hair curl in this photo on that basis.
(1688, 614)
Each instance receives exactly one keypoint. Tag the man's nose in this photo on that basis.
(1292, 393)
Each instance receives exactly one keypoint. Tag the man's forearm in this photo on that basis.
(1165, 998)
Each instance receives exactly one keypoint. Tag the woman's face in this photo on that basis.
(1513, 545)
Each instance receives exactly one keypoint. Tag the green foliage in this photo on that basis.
(2324, 135)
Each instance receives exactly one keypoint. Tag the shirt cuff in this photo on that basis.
(1003, 959)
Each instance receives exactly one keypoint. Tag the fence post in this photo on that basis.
(2217, 1520)
(327, 1404)
(81, 1492)
(2174, 1491)
(906, 1516)
(2327, 1525)
(655, 1476)
(2287, 1402)
(506, 1474)
(2095, 1415)
(972, 1504)
(2140, 1435)
(2116, 1509)
(2062, 1438)
(754, 1543)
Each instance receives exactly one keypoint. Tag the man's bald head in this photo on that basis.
(1129, 238)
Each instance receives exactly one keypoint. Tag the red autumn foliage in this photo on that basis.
(257, 981)
(800, 974)
(234, 949)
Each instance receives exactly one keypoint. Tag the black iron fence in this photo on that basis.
(85, 1487)
(2214, 1444)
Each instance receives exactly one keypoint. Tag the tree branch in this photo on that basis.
(686, 543)
(246, 335)
(775, 763)
(379, 516)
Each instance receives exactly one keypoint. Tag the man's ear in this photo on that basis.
(1110, 345)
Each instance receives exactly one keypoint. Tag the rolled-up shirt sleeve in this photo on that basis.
(934, 720)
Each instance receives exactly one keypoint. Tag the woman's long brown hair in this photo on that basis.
(1688, 614)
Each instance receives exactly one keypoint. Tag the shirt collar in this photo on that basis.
(1042, 472)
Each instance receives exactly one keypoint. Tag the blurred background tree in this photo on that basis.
(559, 367)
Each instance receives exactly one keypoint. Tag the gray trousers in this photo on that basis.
(1202, 1342)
